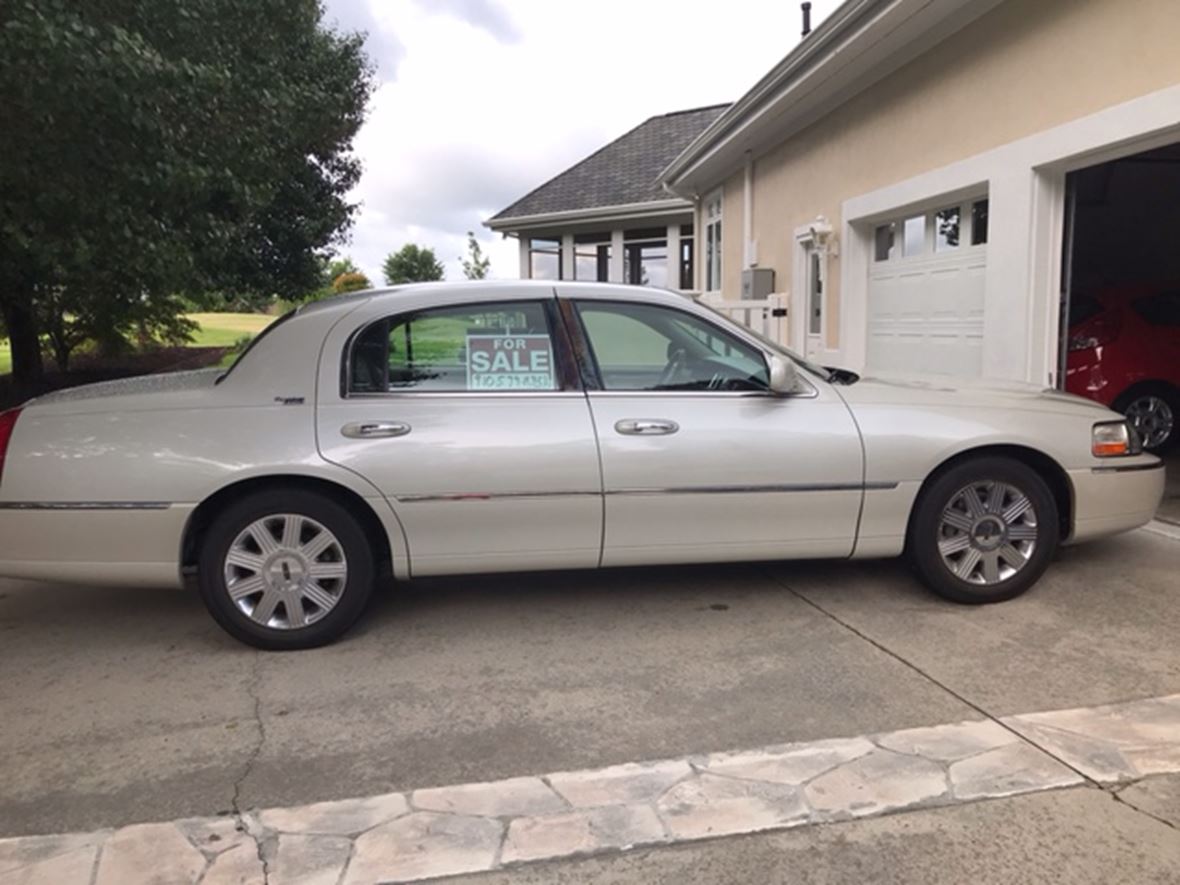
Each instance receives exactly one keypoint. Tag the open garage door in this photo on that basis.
(1121, 306)
(926, 293)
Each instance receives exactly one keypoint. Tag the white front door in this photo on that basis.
(468, 420)
(699, 461)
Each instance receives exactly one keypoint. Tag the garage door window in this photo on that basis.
(979, 223)
(946, 229)
(938, 231)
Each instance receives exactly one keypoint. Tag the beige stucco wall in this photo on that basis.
(732, 250)
(1022, 68)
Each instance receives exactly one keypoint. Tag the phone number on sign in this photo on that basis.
(515, 381)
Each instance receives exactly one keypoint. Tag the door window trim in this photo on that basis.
(567, 374)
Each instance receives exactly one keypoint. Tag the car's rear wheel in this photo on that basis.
(1154, 412)
(286, 570)
(984, 531)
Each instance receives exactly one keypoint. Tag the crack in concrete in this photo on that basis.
(1116, 795)
(240, 822)
(97, 861)
(1087, 779)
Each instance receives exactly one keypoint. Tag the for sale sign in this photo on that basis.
(509, 362)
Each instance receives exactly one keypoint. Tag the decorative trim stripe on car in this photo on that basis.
(677, 490)
(1128, 468)
(84, 505)
(740, 489)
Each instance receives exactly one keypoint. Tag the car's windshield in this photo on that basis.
(818, 371)
(257, 338)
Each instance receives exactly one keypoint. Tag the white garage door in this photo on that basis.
(926, 293)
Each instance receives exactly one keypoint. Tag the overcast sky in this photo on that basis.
(480, 101)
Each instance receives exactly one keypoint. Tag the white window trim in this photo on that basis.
(1025, 180)
(714, 198)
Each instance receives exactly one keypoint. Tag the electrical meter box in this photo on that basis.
(757, 283)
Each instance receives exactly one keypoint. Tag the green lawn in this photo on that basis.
(225, 329)
(216, 330)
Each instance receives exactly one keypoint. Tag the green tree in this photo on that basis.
(162, 147)
(475, 264)
(412, 264)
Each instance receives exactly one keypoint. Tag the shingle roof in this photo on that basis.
(622, 172)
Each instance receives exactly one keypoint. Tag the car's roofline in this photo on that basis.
(478, 290)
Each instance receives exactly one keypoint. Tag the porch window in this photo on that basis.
(713, 242)
(645, 257)
(545, 260)
(592, 257)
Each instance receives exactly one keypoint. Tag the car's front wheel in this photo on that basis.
(286, 570)
(984, 531)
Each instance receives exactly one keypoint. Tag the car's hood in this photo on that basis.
(966, 393)
(149, 387)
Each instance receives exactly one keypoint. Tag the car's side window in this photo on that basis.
(649, 347)
(502, 346)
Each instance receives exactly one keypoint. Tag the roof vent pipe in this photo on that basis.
(806, 18)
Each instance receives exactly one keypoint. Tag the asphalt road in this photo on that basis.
(121, 706)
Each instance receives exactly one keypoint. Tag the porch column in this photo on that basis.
(674, 257)
(567, 257)
(616, 256)
(525, 269)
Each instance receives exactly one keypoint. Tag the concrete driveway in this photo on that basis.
(124, 706)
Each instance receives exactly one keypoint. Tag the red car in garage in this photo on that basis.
(1124, 352)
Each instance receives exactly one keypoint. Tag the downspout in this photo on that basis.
(750, 247)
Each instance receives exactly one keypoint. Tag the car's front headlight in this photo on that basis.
(1115, 439)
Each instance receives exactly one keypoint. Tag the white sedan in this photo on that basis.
(443, 429)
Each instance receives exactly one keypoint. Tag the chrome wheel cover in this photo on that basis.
(285, 571)
(1153, 419)
(987, 533)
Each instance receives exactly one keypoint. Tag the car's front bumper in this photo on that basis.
(1115, 498)
(113, 544)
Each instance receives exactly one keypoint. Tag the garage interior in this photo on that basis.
(1121, 293)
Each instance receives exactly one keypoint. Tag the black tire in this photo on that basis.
(927, 531)
(352, 593)
(1170, 396)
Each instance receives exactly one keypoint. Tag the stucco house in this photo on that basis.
(926, 182)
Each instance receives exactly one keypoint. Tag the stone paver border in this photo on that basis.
(444, 831)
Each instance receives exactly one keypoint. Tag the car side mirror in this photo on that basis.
(784, 377)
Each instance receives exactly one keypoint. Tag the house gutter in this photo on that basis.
(621, 212)
(859, 43)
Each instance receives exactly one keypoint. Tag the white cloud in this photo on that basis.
(482, 101)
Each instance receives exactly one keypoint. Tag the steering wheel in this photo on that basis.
(676, 362)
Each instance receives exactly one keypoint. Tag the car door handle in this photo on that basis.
(646, 426)
(374, 429)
